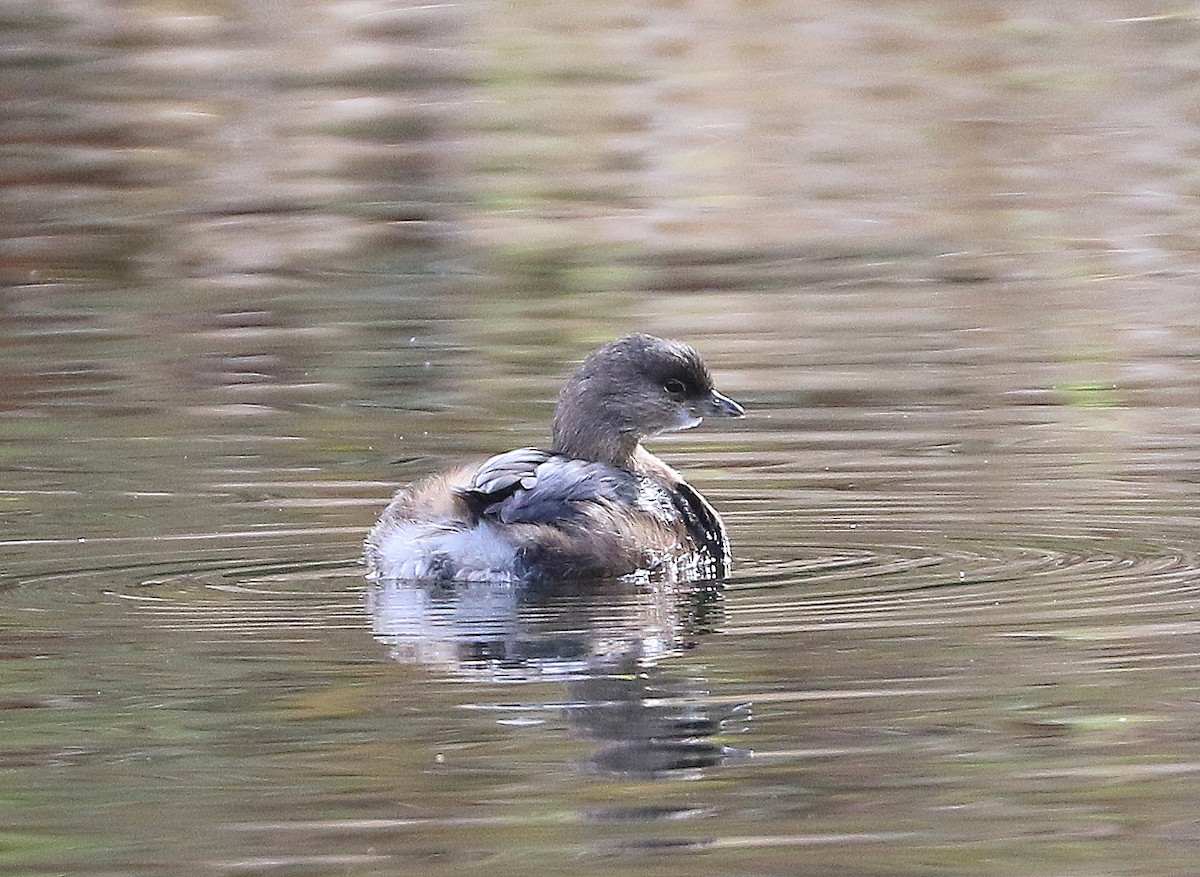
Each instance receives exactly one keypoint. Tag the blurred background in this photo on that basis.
(262, 260)
(220, 140)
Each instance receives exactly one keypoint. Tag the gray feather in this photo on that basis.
(533, 486)
(498, 474)
(561, 487)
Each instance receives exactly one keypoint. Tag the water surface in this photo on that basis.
(947, 261)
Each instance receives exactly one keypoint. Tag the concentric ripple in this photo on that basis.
(238, 584)
(1053, 586)
(250, 582)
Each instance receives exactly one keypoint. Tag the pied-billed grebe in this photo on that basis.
(597, 505)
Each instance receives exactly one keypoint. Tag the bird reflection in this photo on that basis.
(605, 643)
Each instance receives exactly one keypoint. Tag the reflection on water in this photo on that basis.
(503, 632)
(267, 261)
(651, 722)
(605, 643)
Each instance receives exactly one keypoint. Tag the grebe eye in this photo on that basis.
(675, 387)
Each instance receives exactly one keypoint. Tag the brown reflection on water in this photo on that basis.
(209, 140)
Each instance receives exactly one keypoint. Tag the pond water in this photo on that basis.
(946, 260)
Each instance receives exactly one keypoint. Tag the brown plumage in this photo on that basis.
(596, 505)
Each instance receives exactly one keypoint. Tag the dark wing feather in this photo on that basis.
(559, 489)
(704, 524)
(532, 486)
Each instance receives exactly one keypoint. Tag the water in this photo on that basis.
(960, 634)
(945, 259)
